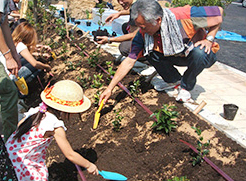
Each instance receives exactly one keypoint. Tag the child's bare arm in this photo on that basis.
(70, 154)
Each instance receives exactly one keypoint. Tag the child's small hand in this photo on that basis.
(92, 169)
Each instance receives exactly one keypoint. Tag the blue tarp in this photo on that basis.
(226, 35)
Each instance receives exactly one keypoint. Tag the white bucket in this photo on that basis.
(106, 13)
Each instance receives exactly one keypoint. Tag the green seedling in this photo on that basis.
(165, 118)
(97, 81)
(94, 58)
(134, 88)
(182, 178)
(100, 14)
(97, 97)
(201, 148)
(71, 65)
(64, 48)
(117, 120)
(87, 14)
(84, 81)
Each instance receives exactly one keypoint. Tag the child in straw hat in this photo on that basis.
(27, 145)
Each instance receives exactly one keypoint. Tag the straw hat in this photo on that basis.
(66, 96)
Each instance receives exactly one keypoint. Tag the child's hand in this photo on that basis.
(92, 169)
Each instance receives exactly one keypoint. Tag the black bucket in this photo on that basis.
(230, 111)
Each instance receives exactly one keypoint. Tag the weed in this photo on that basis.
(165, 118)
(201, 148)
(117, 120)
(97, 81)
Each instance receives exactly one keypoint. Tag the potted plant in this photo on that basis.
(99, 31)
(88, 23)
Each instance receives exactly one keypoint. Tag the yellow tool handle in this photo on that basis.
(96, 120)
(101, 105)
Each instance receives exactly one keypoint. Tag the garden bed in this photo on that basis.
(137, 151)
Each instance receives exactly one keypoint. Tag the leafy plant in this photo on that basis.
(201, 148)
(71, 65)
(165, 118)
(64, 48)
(182, 178)
(94, 58)
(97, 81)
(97, 97)
(84, 81)
(60, 28)
(117, 120)
(134, 88)
(100, 14)
(87, 14)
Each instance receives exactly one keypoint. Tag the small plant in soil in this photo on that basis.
(201, 148)
(64, 48)
(96, 98)
(97, 81)
(94, 58)
(84, 81)
(134, 88)
(165, 118)
(60, 28)
(182, 178)
(117, 120)
(72, 66)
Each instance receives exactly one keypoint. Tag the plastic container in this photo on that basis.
(230, 111)
(117, 24)
(106, 13)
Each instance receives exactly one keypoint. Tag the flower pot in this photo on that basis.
(88, 23)
(230, 111)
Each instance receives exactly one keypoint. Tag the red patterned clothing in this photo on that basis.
(28, 153)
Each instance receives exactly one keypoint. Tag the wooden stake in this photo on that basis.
(24, 5)
(199, 107)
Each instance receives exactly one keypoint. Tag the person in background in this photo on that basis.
(14, 10)
(130, 29)
(27, 145)
(169, 37)
(8, 91)
(25, 40)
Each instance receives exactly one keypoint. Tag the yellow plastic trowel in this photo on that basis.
(22, 85)
(97, 115)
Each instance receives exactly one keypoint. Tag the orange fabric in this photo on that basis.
(48, 95)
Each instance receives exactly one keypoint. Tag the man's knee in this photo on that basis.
(199, 56)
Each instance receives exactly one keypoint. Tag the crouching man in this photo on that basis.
(182, 36)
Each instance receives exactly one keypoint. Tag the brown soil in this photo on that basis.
(136, 151)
